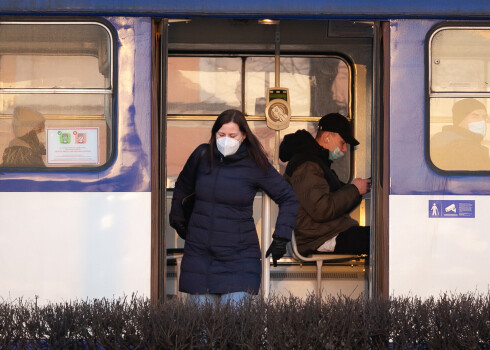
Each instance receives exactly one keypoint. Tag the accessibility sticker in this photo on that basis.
(451, 209)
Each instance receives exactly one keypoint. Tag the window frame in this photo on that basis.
(110, 91)
(308, 119)
(198, 117)
(430, 94)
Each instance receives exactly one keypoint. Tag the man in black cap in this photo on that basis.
(323, 222)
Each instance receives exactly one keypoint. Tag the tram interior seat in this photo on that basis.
(322, 257)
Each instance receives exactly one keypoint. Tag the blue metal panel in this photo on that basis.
(409, 172)
(131, 168)
(287, 8)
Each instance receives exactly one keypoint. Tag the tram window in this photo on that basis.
(210, 85)
(317, 85)
(203, 85)
(62, 73)
(200, 88)
(459, 98)
(460, 60)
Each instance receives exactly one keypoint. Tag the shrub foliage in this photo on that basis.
(447, 322)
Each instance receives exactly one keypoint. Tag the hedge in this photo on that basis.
(446, 322)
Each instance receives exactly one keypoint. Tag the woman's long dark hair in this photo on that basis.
(255, 150)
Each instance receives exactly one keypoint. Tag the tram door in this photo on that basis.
(218, 64)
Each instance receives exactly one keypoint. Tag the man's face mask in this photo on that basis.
(335, 154)
(478, 127)
(227, 145)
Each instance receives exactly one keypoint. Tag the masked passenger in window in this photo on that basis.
(459, 146)
(25, 150)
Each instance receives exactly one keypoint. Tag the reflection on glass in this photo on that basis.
(460, 59)
(203, 85)
(210, 85)
(340, 89)
(54, 56)
(317, 85)
(458, 130)
(82, 105)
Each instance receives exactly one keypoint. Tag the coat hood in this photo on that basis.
(300, 142)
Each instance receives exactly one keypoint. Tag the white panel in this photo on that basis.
(62, 246)
(429, 256)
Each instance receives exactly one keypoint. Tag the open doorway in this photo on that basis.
(217, 64)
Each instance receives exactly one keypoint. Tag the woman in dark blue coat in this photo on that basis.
(222, 253)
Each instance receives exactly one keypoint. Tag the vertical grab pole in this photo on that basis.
(266, 201)
(277, 57)
(266, 241)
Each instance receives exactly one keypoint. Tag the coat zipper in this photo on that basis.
(218, 170)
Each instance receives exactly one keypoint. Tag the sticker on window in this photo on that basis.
(72, 146)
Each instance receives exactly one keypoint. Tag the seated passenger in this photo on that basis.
(459, 146)
(323, 222)
(25, 150)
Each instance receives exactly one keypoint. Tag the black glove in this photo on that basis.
(180, 227)
(277, 249)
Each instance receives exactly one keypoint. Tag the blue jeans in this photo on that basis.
(235, 297)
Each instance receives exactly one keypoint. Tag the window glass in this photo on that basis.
(209, 85)
(459, 60)
(203, 85)
(54, 56)
(56, 94)
(317, 85)
(459, 99)
(458, 136)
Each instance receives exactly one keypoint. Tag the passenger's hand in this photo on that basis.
(180, 227)
(277, 249)
(363, 185)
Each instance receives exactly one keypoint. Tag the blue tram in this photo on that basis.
(128, 89)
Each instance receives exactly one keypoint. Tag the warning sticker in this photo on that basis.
(451, 209)
(72, 145)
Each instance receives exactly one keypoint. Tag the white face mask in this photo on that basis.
(42, 137)
(227, 145)
(335, 154)
(478, 127)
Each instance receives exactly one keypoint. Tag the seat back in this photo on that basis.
(320, 256)
(296, 254)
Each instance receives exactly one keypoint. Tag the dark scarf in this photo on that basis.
(33, 141)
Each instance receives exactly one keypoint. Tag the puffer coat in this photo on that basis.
(324, 200)
(221, 251)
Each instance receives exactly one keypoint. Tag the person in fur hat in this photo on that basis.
(459, 146)
(25, 150)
